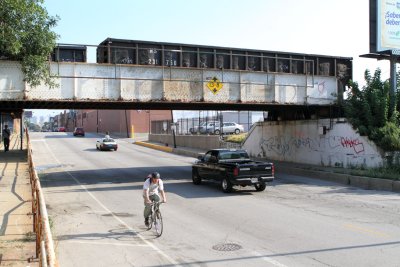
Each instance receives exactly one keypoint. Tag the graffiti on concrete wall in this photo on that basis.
(287, 146)
(352, 143)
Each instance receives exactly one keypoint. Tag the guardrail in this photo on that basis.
(41, 226)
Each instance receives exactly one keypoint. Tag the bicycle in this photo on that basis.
(156, 218)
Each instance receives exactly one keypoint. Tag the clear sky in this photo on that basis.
(336, 28)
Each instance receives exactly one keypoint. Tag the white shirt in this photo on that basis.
(153, 188)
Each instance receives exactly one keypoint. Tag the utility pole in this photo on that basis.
(97, 130)
(393, 85)
(173, 128)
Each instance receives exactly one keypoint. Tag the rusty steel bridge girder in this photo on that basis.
(113, 86)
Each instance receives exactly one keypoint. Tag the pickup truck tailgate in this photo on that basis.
(256, 169)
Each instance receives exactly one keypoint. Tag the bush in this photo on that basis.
(368, 111)
(239, 138)
(388, 137)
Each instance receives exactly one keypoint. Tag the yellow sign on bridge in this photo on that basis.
(214, 85)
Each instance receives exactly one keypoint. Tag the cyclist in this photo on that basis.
(151, 186)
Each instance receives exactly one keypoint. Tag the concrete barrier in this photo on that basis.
(359, 181)
(380, 184)
(205, 142)
(396, 186)
(162, 148)
(336, 177)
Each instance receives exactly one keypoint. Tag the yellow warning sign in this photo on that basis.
(214, 85)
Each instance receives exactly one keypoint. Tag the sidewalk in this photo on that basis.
(337, 175)
(17, 240)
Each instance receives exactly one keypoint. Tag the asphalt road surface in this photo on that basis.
(95, 204)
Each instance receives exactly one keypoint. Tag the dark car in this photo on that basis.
(79, 131)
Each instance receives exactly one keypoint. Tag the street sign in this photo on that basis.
(214, 85)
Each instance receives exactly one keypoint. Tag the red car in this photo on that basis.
(61, 129)
(79, 131)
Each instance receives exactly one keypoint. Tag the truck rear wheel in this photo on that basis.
(195, 177)
(226, 185)
(260, 187)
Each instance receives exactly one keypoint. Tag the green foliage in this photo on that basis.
(389, 137)
(26, 36)
(239, 138)
(368, 110)
(390, 173)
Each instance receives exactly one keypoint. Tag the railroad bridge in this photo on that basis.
(148, 75)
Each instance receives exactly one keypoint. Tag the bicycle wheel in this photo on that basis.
(150, 222)
(158, 223)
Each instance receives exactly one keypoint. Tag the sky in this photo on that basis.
(334, 28)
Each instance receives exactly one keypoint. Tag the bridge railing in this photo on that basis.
(41, 226)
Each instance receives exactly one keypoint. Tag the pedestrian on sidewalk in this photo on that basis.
(6, 137)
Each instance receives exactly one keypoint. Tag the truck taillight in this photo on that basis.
(236, 171)
(273, 169)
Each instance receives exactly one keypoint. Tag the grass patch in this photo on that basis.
(51, 224)
(390, 173)
(236, 138)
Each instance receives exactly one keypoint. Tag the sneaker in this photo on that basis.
(146, 222)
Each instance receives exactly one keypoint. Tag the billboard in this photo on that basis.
(388, 25)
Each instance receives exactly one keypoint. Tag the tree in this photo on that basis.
(368, 110)
(26, 36)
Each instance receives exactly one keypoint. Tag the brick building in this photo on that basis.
(117, 122)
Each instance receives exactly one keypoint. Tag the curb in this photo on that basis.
(149, 145)
(396, 186)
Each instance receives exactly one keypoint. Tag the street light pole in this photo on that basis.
(393, 85)
(148, 112)
(97, 121)
(173, 128)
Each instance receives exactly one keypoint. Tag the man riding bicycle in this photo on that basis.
(151, 186)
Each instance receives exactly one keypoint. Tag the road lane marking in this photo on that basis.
(365, 230)
(268, 259)
(159, 251)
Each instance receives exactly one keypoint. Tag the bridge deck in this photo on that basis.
(116, 86)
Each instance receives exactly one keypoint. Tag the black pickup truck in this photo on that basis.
(232, 167)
